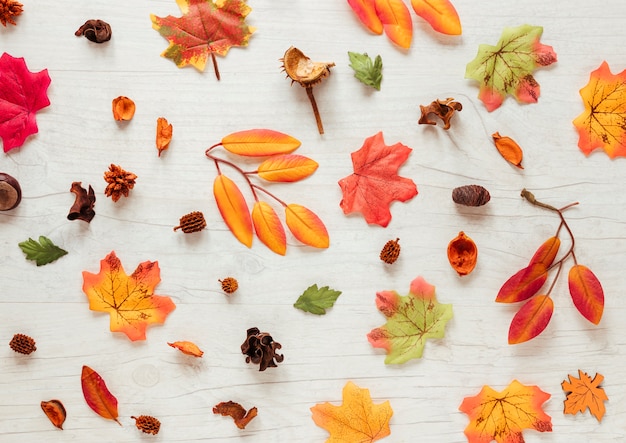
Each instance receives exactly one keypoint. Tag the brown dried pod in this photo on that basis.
(8, 10)
(260, 348)
(470, 195)
(120, 182)
(55, 411)
(23, 344)
(192, 222)
(444, 109)
(236, 411)
(300, 69)
(462, 254)
(163, 134)
(229, 285)
(391, 251)
(96, 31)
(123, 108)
(82, 209)
(508, 149)
(147, 424)
(10, 192)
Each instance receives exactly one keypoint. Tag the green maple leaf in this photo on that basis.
(316, 301)
(367, 71)
(507, 67)
(43, 252)
(411, 320)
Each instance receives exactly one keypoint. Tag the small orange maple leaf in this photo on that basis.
(584, 393)
(501, 416)
(129, 300)
(357, 420)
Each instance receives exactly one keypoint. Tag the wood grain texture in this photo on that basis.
(78, 139)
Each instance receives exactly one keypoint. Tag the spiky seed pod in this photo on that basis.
(390, 251)
(229, 285)
(8, 10)
(120, 182)
(23, 344)
(470, 195)
(147, 424)
(192, 222)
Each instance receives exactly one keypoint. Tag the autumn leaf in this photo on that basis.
(440, 14)
(233, 208)
(286, 168)
(502, 416)
(316, 300)
(129, 300)
(523, 284)
(584, 393)
(42, 252)
(357, 420)
(411, 320)
(206, 28)
(602, 124)
(259, 143)
(531, 320)
(367, 71)
(22, 94)
(375, 182)
(507, 67)
(306, 226)
(97, 395)
(268, 227)
(237, 412)
(396, 20)
(365, 10)
(587, 293)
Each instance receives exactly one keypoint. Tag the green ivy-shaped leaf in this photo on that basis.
(367, 71)
(316, 300)
(42, 252)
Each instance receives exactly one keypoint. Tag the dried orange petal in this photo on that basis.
(55, 411)
(508, 149)
(123, 108)
(163, 134)
(187, 347)
(462, 254)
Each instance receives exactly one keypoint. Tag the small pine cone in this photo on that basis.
(23, 344)
(470, 195)
(8, 10)
(192, 222)
(120, 182)
(147, 424)
(229, 285)
(390, 251)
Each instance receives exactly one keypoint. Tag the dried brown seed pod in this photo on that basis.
(260, 348)
(10, 192)
(123, 108)
(23, 344)
(462, 254)
(55, 411)
(470, 195)
(391, 251)
(444, 109)
(147, 424)
(192, 222)
(97, 31)
(8, 10)
(229, 285)
(120, 182)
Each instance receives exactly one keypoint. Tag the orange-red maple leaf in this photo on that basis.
(502, 416)
(206, 28)
(357, 420)
(375, 182)
(129, 299)
(584, 393)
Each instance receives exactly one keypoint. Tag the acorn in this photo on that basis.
(229, 285)
(23, 344)
(390, 251)
(10, 192)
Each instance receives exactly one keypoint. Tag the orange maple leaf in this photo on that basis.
(129, 300)
(501, 416)
(583, 393)
(357, 420)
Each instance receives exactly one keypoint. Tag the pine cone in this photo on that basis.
(8, 10)
(147, 424)
(120, 182)
(192, 222)
(390, 251)
(23, 344)
(229, 285)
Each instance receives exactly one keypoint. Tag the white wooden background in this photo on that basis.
(78, 139)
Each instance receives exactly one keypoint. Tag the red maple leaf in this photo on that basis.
(375, 182)
(207, 27)
(22, 94)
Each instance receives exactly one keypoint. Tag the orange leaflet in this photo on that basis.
(268, 227)
(287, 168)
(163, 134)
(129, 300)
(502, 416)
(531, 319)
(358, 419)
(584, 393)
(523, 284)
(440, 14)
(234, 209)
(365, 10)
(586, 292)
(188, 348)
(97, 395)
(259, 142)
(546, 253)
(306, 226)
(396, 20)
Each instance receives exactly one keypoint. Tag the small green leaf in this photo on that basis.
(316, 301)
(43, 252)
(366, 71)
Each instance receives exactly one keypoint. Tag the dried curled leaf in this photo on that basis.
(97, 31)
(444, 109)
(260, 348)
(462, 254)
(164, 132)
(55, 411)
(584, 393)
(97, 395)
(508, 149)
(236, 411)
(82, 209)
(188, 348)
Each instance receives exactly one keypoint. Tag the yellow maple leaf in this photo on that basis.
(583, 393)
(357, 420)
(129, 300)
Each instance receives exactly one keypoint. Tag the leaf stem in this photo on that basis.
(318, 118)
(265, 191)
(215, 68)
(218, 160)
